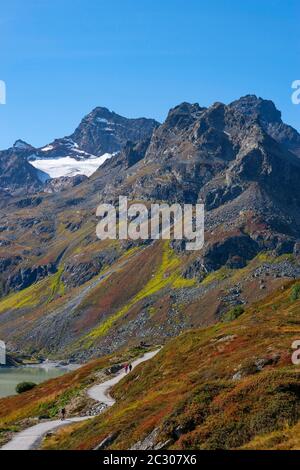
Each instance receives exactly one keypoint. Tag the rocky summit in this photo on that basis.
(66, 294)
(100, 134)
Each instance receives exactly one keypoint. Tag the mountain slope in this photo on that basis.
(229, 386)
(17, 175)
(101, 296)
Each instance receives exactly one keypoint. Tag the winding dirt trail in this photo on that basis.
(28, 439)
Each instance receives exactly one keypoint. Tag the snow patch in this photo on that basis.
(68, 166)
(47, 148)
(105, 121)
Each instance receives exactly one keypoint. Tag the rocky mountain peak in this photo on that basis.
(257, 108)
(104, 131)
(269, 117)
(100, 134)
(183, 115)
(99, 115)
(22, 145)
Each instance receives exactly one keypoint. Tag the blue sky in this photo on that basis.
(62, 58)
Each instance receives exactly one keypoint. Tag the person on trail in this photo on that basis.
(126, 368)
(130, 367)
(63, 414)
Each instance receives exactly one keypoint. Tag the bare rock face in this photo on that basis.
(152, 442)
(266, 113)
(79, 270)
(233, 251)
(148, 443)
(103, 131)
(56, 185)
(17, 175)
(25, 277)
(107, 441)
(134, 152)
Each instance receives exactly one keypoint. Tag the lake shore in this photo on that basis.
(10, 377)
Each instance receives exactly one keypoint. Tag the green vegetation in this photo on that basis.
(218, 275)
(25, 387)
(56, 285)
(233, 313)
(166, 274)
(43, 291)
(181, 282)
(52, 409)
(295, 294)
(268, 257)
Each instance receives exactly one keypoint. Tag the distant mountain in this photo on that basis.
(101, 134)
(21, 145)
(17, 176)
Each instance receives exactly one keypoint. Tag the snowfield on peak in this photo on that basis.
(68, 166)
(47, 148)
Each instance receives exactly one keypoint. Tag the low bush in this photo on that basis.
(25, 386)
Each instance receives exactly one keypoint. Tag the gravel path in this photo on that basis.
(101, 392)
(28, 439)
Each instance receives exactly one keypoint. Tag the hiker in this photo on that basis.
(126, 368)
(63, 414)
(130, 367)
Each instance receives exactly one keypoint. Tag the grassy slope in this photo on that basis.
(161, 270)
(48, 398)
(144, 272)
(188, 390)
(150, 275)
